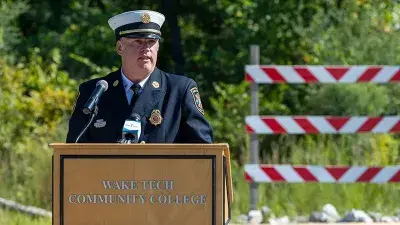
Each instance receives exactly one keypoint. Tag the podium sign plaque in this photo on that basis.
(143, 184)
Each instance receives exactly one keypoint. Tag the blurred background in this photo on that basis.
(48, 47)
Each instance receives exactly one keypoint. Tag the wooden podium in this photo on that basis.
(141, 184)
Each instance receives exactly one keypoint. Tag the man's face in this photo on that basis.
(138, 53)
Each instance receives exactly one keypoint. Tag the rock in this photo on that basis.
(302, 219)
(378, 217)
(242, 219)
(331, 213)
(317, 217)
(396, 216)
(357, 216)
(255, 217)
(397, 213)
(322, 217)
(375, 216)
(279, 221)
(265, 210)
(387, 219)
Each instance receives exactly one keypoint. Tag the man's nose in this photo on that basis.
(144, 49)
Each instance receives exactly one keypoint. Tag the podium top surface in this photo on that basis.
(116, 149)
(145, 145)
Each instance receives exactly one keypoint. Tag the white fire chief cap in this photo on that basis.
(137, 24)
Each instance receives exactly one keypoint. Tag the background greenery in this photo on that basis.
(48, 47)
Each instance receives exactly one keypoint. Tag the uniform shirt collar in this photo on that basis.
(128, 83)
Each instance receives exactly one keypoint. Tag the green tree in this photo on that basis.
(9, 30)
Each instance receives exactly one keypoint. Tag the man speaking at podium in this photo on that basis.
(165, 107)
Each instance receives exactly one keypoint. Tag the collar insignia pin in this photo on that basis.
(115, 83)
(156, 84)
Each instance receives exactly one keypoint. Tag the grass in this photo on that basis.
(302, 199)
(15, 218)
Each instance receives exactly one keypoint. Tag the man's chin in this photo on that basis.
(146, 67)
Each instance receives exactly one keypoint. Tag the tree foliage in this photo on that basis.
(35, 98)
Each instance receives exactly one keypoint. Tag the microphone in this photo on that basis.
(131, 130)
(101, 87)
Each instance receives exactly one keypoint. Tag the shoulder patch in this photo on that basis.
(196, 99)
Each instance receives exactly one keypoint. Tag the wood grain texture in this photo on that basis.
(86, 172)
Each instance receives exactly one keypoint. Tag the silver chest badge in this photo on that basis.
(100, 123)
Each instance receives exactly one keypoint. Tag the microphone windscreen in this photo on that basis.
(102, 83)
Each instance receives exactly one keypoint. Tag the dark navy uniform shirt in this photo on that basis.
(169, 106)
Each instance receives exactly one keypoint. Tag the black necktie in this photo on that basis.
(135, 88)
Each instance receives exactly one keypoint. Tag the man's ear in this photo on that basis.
(159, 45)
(118, 47)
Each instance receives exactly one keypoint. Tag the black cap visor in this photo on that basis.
(142, 35)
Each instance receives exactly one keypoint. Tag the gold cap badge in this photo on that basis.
(145, 18)
(155, 117)
(115, 83)
(156, 84)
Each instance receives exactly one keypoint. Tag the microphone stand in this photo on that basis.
(92, 116)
